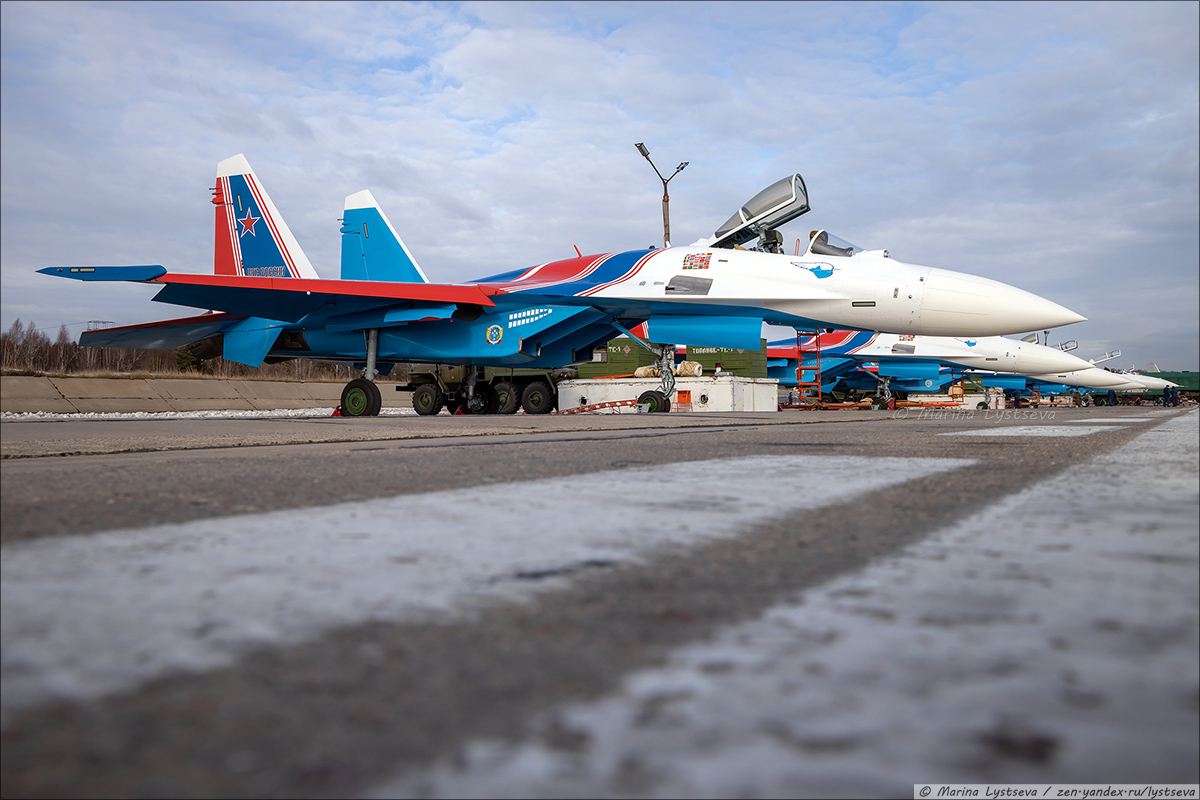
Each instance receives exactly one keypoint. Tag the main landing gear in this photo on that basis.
(472, 396)
(361, 397)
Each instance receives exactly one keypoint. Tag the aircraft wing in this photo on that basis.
(287, 299)
(166, 335)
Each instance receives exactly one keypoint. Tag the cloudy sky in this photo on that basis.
(1050, 146)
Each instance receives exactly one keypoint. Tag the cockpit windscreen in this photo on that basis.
(824, 243)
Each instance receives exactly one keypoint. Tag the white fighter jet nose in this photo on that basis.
(956, 304)
(1091, 378)
(1036, 359)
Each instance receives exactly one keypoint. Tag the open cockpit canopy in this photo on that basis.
(780, 202)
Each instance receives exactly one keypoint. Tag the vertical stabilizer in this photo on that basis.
(371, 248)
(251, 237)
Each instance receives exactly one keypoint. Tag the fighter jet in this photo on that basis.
(267, 302)
(915, 363)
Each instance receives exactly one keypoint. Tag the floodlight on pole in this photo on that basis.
(666, 198)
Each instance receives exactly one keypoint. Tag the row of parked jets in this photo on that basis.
(883, 320)
(858, 363)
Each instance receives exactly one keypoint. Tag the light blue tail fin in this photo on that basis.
(371, 248)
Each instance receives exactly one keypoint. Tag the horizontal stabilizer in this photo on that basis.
(738, 333)
(144, 272)
(166, 335)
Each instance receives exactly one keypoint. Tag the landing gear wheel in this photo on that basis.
(361, 398)
(982, 406)
(484, 400)
(658, 402)
(537, 398)
(427, 399)
(508, 398)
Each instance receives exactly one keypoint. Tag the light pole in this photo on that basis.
(666, 199)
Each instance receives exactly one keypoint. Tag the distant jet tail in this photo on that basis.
(251, 237)
(371, 248)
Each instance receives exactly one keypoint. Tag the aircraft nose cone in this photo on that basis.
(1091, 378)
(1039, 360)
(957, 304)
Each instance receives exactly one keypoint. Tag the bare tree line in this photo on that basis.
(26, 350)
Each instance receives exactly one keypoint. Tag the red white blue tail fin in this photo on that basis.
(371, 248)
(251, 237)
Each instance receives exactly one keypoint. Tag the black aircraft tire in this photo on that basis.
(508, 397)
(483, 401)
(376, 400)
(361, 398)
(658, 402)
(427, 399)
(537, 398)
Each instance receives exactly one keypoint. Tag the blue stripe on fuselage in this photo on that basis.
(609, 270)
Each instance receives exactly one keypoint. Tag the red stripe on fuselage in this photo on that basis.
(554, 273)
(634, 270)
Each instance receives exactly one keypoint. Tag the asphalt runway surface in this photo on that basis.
(793, 604)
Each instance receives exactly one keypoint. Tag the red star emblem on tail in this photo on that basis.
(248, 223)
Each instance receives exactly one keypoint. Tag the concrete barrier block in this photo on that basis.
(267, 395)
(99, 395)
(327, 393)
(264, 390)
(21, 394)
(14, 386)
(193, 389)
(100, 405)
(394, 399)
(96, 388)
(211, 404)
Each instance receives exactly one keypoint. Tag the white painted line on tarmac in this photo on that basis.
(1032, 431)
(84, 616)
(1051, 638)
(1093, 420)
